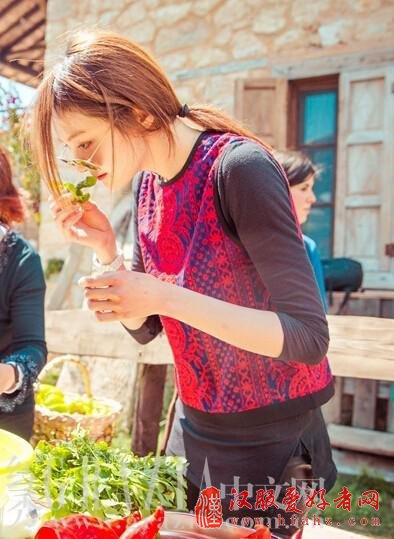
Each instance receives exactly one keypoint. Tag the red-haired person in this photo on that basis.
(218, 262)
(22, 290)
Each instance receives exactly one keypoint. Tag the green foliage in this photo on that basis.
(76, 190)
(84, 476)
(356, 486)
(54, 266)
(11, 136)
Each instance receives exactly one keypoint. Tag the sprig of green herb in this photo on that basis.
(76, 190)
(82, 476)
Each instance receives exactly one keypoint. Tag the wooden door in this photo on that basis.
(364, 223)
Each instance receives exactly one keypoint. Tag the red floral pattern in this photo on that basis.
(182, 241)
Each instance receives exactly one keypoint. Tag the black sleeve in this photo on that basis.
(254, 205)
(26, 296)
(152, 326)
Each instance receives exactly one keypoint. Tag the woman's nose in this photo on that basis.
(312, 197)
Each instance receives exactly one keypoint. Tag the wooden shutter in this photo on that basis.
(364, 223)
(262, 105)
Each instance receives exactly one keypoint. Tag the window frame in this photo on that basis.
(297, 88)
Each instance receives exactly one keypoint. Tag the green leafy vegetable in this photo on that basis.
(82, 476)
(76, 190)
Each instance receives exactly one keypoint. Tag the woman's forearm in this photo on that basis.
(250, 329)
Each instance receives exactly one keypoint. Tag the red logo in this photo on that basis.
(369, 497)
(209, 513)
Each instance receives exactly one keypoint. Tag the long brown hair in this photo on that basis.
(108, 76)
(11, 205)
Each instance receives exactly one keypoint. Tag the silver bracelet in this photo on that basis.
(115, 265)
(18, 379)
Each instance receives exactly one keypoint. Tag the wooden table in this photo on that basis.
(378, 302)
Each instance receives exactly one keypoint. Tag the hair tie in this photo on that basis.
(183, 111)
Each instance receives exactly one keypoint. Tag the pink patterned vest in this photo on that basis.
(182, 242)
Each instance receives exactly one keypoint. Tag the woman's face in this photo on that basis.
(303, 197)
(90, 138)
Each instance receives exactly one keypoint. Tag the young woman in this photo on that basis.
(218, 261)
(302, 173)
(22, 291)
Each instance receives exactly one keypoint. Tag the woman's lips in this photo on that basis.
(101, 176)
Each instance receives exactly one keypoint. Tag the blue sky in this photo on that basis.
(26, 93)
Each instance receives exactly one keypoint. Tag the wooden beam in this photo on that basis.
(8, 8)
(17, 22)
(42, 5)
(78, 332)
(332, 410)
(368, 294)
(16, 56)
(39, 44)
(322, 62)
(364, 406)
(364, 440)
(362, 347)
(7, 48)
(17, 67)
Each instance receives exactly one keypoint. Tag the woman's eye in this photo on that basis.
(84, 146)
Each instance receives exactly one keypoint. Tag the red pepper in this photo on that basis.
(147, 528)
(76, 527)
(262, 532)
(120, 525)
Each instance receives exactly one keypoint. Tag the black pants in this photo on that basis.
(19, 422)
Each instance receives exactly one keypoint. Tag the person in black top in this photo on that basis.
(22, 289)
(219, 263)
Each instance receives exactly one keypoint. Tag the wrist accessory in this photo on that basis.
(113, 266)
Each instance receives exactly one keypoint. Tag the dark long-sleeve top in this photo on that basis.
(252, 202)
(22, 332)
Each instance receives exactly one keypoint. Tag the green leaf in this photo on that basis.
(89, 181)
(70, 187)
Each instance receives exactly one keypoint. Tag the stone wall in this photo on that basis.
(205, 45)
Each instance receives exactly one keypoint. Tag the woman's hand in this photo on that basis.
(133, 296)
(87, 225)
(7, 377)
(123, 295)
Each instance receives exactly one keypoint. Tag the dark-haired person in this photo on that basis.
(218, 261)
(302, 174)
(22, 290)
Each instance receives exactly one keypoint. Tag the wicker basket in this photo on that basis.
(51, 426)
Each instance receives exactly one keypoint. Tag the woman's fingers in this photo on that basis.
(101, 294)
(60, 203)
(107, 317)
(102, 305)
(106, 279)
(63, 216)
(61, 213)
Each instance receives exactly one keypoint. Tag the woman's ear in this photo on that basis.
(145, 120)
